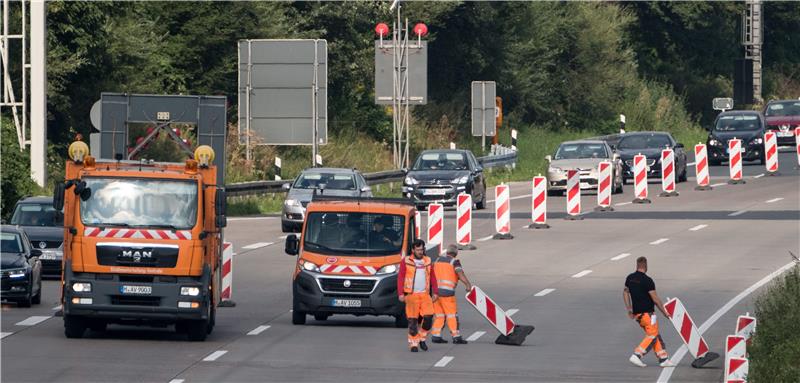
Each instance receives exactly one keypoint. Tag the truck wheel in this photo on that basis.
(98, 325)
(400, 321)
(74, 327)
(197, 330)
(212, 321)
(298, 317)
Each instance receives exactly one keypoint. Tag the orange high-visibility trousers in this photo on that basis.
(418, 305)
(652, 339)
(445, 309)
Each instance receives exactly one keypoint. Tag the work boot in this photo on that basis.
(459, 340)
(423, 346)
(666, 363)
(414, 349)
(637, 360)
(437, 339)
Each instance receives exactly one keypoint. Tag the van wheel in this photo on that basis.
(74, 327)
(298, 317)
(321, 316)
(400, 321)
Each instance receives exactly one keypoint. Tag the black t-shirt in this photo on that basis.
(640, 286)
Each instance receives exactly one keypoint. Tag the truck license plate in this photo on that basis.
(346, 303)
(141, 290)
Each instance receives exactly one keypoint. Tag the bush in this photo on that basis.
(775, 352)
(15, 171)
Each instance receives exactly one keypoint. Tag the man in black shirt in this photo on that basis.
(641, 299)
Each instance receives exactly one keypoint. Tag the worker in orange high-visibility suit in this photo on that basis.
(448, 272)
(641, 300)
(417, 287)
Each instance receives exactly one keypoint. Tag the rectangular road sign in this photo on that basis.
(483, 108)
(417, 72)
(277, 82)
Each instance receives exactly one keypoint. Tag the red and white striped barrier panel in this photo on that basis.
(226, 291)
(771, 151)
(746, 327)
(736, 370)
(668, 173)
(96, 232)
(701, 167)
(573, 195)
(640, 179)
(464, 221)
(502, 212)
(345, 269)
(797, 144)
(604, 185)
(435, 223)
(735, 347)
(417, 223)
(735, 160)
(539, 203)
(493, 313)
(686, 328)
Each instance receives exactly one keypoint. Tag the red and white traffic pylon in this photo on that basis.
(573, 196)
(502, 212)
(417, 223)
(464, 222)
(771, 153)
(735, 161)
(736, 370)
(435, 223)
(746, 326)
(668, 173)
(510, 332)
(688, 332)
(539, 204)
(604, 186)
(640, 179)
(735, 347)
(226, 291)
(701, 167)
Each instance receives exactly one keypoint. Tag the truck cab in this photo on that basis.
(348, 256)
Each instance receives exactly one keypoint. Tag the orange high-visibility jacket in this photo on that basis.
(408, 269)
(445, 268)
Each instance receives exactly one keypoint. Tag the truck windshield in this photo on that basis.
(349, 233)
(140, 203)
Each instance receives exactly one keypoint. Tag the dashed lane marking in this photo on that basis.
(690, 164)
(582, 273)
(5, 334)
(484, 239)
(623, 203)
(176, 381)
(737, 213)
(698, 227)
(511, 312)
(257, 245)
(475, 335)
(283, 237)
(775, 200)
(659, 241)
(258, 330)
(34, 320)
(759, 176)
(618, 257)
(544, 292)
(443, 362)
(718, 185)
(56, 308)
(215, 355)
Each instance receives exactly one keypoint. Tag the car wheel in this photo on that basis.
(321, 316)
(554, 193)
(286, 228)
(400, 321)
(26, 302)
(74, 327)
(618, 188)
(482, 203)
(37, 299)
(714, 162)
(763, 160)
(298, 317)
(683, 177)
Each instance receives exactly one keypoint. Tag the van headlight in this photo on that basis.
(388, 269)
(309, 266)
(190, 291)
(82, 287)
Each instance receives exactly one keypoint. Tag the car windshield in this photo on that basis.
(348, 233)
(140, 203)
(37, 214)
(785, 108)
(313, 180)
(577, 151)
(11, 243)
(737, 122)
(644, 141)
(441, 161)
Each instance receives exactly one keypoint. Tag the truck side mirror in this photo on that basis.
(220, 202)
(221, 221)
(58, 196)
(292, 246)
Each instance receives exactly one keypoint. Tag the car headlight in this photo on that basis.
(308, 266)
(713, 142)
(554, 169)
(461, 180)
(189, 290)
(388, 269)
(82, 287)
(17, 274)
(758, 141)
(292, 202)
(410, 181)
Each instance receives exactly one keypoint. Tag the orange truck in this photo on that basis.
(142, 242)
(348, 256)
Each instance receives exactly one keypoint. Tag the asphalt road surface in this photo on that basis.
(705, 247)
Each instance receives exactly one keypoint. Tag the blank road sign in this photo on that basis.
(417, 73)
(483, 108)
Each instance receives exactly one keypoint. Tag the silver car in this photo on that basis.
(585, 157)
(327, 181)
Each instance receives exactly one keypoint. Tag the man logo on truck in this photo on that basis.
(136, 255)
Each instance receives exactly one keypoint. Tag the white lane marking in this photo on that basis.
(511, 312)
(484, 239)
(759, 176)
(623, 203)
(676, 358)
(775, 200)
(249, 218)
(618, 257)
(734, 214)
(5, 334)
(582, 273)
(698, 227)
(690, 164)
(718, 185)
(176, 381)
(517, 197)
(215, 355)
(443, 362)
(34, 320)
(258, 330)
(544, 292)
(475, 335)
(56, 308)
(283, 237)
(659, 241)
(257, 245)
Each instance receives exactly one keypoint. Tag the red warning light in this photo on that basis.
(421, 29)
(382, 29)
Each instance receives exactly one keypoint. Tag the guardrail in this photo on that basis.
(502, 156)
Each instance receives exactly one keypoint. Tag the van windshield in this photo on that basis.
(351, 233)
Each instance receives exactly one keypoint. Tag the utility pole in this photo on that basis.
(752, 39)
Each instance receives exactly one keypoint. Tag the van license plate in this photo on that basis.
(140, 290)
(346, 303)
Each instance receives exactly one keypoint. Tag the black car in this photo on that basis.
(438, 176)
(44, 226)
(21, 269)
(650, 144)
(746, 125)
